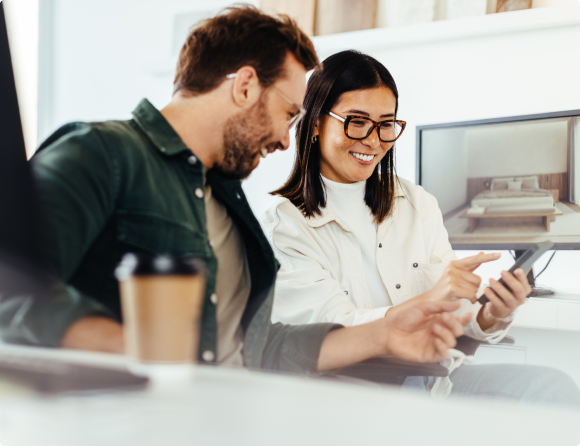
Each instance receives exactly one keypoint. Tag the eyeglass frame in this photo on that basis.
(376, 124)
(299, 114)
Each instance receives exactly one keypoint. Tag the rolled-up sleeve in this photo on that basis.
(295, 348)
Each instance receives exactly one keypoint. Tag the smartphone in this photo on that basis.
(525, 262)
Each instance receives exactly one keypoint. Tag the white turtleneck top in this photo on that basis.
(347, 201)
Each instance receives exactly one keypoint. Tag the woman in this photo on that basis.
(353, 239)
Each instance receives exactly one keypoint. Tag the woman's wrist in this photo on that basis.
(507, 318)
(486, 319)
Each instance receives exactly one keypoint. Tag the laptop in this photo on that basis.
(23, 268)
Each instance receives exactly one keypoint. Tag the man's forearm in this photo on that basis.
(347, 346)
(96, 333)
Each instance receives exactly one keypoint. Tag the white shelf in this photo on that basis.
(471, 27)
(384, 38)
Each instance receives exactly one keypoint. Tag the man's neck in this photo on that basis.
(199, 122)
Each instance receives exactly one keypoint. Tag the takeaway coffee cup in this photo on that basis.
(162, 300)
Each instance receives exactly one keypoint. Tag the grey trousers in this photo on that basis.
(526, 384)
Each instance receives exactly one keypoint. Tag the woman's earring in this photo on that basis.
(314, 139)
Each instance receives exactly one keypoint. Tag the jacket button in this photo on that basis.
(397, 286)
(346, 292)
(208, 356)
(199, 193)
(192, 160)
(213, 299)
(380, 245)
(415, 265)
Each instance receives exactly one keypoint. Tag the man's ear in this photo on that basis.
(246, 88)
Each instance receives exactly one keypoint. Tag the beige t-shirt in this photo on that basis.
(232, 280)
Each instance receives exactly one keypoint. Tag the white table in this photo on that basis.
(221, 406)
(560, 311)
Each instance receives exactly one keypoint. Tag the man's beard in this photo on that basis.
(245, 134)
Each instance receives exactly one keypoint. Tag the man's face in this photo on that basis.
(262, 129)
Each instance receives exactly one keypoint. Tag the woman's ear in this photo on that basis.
(315, 132)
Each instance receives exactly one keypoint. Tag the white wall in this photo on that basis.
(102, 56)
(444, 171)
(527, 148)
(22, 23)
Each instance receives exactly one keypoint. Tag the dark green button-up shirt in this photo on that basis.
(114, 187)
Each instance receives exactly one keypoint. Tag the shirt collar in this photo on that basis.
(159, 131)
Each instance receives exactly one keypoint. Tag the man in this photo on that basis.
(169, 182)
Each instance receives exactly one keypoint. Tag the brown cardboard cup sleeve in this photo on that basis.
(162, 301)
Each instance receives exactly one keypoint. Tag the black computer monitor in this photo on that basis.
(505, 183)
(21, 254)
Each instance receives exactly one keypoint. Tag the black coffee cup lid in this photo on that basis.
(160, 265)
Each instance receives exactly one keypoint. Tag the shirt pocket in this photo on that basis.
(426, 275)
(155, 234)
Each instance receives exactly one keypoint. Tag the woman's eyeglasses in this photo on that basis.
(360, 127)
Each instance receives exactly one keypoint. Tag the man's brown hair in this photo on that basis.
(236, 37)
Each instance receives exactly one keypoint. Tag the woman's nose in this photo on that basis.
(373, 139)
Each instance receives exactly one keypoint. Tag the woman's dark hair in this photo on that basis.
(338, 74)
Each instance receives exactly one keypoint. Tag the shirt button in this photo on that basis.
(192, 159)
(238, 196)
(213, 298)
(380, 245)
(346, 292)
(199, 193)
(208, 356)
(211, 244)
(415, 265)
(397, 286)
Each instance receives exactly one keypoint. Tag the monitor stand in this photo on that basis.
(536, 291)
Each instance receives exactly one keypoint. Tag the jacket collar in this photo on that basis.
(152, 122)
(327, 215)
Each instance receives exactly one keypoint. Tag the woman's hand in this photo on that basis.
(458, 280)
(502, 301)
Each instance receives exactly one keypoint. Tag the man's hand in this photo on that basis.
(458, 280)
(95, 333)
(423, 332)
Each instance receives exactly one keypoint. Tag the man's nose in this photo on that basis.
(285, 142)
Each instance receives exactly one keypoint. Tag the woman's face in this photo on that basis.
(339, 155)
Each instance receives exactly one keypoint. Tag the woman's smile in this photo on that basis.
(364, 159)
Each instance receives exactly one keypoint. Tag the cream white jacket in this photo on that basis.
(321, 277)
